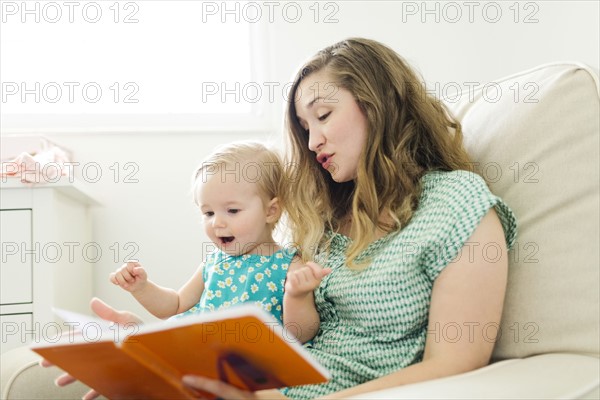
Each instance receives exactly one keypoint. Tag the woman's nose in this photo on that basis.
(315, 140)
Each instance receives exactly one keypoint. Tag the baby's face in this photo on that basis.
(234, 213)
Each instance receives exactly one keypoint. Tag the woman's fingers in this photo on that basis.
(105, 311)
(64, 380)
(45, 363)
(91, 395)
(108, 313)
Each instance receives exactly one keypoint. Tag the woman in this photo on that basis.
(382, 195)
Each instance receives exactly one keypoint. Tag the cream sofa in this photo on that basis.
(535, 138)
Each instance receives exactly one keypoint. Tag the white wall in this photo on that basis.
(157, 214)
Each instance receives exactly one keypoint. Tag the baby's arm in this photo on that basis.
(160, 301)
(300, 314)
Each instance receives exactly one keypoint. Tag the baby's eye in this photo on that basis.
(234, 210)
(324, 116)
(209, 214)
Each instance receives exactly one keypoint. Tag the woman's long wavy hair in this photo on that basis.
(410, 133)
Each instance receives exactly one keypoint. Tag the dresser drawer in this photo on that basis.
(38, 269)
(18, 254)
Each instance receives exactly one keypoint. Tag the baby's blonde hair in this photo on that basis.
(251, 161)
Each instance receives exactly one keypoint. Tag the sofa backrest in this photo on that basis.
(534, 137)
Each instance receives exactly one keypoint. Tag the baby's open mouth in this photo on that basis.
(226, 239)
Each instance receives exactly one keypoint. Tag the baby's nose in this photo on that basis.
(218, 221)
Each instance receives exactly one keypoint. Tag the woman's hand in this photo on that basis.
(66, 379)
(107, 313)
(221, 389)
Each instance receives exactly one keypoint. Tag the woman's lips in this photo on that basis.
(325, 160)
(326, 163)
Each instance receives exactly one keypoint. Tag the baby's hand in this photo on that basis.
(131, 276)
(305, 279)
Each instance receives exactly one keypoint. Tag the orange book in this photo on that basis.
(242, 345)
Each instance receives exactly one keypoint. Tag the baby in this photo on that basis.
(239, 192)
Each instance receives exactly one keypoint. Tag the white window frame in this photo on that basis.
(259, 119)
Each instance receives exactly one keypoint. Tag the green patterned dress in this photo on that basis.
(374, 322)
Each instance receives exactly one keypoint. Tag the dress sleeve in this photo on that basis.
(456, 202)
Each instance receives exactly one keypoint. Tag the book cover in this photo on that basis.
(242, 345)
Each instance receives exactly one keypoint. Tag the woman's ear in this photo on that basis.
(273, 210)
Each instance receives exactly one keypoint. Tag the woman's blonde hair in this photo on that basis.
(245, 160)
(409, 133)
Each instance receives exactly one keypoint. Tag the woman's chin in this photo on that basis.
(338, 178)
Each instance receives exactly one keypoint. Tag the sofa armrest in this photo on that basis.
(23, 378)
(548, 376)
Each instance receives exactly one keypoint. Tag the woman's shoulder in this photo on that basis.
(462, 198)
(453, 189)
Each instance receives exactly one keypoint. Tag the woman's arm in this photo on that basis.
(464, 316)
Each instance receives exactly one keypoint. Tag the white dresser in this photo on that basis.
(47, 258)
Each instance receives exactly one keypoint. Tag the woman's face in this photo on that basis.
(337, 127)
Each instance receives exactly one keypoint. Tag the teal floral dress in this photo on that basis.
(249, 278)
(374, 322)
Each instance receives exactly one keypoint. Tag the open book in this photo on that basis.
(243, 345)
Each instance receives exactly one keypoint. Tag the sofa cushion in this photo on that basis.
(547, 376)
(534, 137)
(23, 378)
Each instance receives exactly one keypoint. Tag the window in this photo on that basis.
(130, 65)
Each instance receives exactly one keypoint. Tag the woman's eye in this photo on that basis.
(324, 116)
